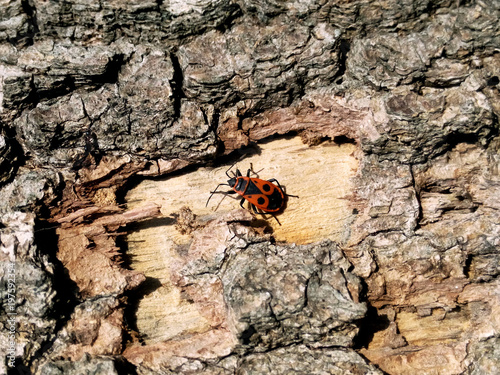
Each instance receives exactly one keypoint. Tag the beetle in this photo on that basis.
(262, 195)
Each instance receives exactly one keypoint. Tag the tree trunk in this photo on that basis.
(377, 121)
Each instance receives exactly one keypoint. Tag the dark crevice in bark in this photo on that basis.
(368, 326)
(13, 157)
(247, 334)
(68, 83)
(344, 48)
(67, 291)
(130, 312)
(343, 139)
(231, 19)
(176, 84)
(18, 369)
(417, 189)
(455, 138)
(467, 265)
(91, 145)
(124, 367)
(33, 97)
(493, 81)
(112, 70)
(65, 86)
(30, 11)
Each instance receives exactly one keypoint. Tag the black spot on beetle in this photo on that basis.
(266, 187)
(261, 201)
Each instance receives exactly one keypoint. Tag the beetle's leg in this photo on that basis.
(260, 212)
(250, 171)
(275, 180)
(264, 215)
(241, 203)
(253, 172)
(288, 195)
(275, 218)
(270, 213)
(254, 209)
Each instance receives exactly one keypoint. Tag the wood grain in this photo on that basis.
(321, 177)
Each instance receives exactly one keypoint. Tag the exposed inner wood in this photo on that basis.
(320, 212)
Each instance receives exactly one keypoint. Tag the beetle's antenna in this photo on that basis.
(225, 193)
(213, 192)
(218, 205)
(231, 167)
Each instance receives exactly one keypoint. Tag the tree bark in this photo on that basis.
(379, 120)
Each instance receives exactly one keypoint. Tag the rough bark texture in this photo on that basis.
(118, 118)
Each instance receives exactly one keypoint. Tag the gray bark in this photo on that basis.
(96, 96)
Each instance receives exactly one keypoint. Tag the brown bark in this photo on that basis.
(117, 120)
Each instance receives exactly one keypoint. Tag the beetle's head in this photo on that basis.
(232, 181)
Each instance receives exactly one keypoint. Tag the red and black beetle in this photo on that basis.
(262, 195)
